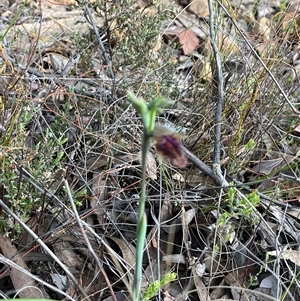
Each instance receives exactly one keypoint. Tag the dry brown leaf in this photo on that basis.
(151, 167)
(236, 279)
(128, 251)
(128, 254)
(188, 40)
(292, 255)
(219, 291)
(64, 251)
(262, 29)
(99, 187)
(199, 8)
(202, 290)
(186, 37)
(203, 70)
(226, 44)
(166, 209)
(277, 161)
(22, 282)
(266, 166)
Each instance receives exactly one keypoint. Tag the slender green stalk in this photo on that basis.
(142, 221)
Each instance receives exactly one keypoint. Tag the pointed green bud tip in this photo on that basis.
(158, 103)
(138, 103)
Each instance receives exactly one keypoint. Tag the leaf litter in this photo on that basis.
(219, 245)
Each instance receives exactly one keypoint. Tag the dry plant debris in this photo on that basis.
(70, 149)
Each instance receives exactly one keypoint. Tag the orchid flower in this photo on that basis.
(167, 144)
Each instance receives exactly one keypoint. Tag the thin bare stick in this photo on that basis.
(44, 246)
(225, 184)
(92, 22)
(201, 165)
(12, 264)
(90, 248)
(218, 81)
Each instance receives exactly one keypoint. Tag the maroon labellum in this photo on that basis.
(167, 144)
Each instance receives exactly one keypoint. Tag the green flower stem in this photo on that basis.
(142, 221)
(148, 119)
